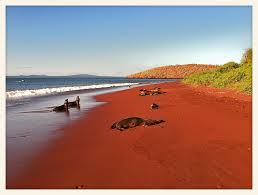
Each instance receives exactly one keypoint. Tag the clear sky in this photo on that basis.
(121, 40)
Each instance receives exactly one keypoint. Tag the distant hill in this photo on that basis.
(47, 76)
(28, 76)
(173, 71)
(83, 75)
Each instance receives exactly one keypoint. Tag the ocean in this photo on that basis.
(30, 122)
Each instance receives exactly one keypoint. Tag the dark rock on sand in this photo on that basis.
(155, 91)
(133, 122)
(62, 108)
(154, 106)
(75, 103)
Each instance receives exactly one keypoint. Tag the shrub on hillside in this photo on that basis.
(247, 57)
(228, 66)
(230, 75)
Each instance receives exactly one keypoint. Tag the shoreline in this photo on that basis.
(198, 147)
(23, 143)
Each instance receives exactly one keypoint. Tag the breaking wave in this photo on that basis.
(49, 91)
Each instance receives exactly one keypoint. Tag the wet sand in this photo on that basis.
(205, 143)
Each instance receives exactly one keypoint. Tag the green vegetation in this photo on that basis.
(231, 75)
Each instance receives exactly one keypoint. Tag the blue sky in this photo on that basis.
(122, 40)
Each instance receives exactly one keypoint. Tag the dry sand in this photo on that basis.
(206, 142)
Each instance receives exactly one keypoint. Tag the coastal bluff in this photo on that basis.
(172, 71)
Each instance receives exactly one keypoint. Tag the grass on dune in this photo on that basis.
(230, 75)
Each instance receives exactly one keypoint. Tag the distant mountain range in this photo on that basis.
(47, 76)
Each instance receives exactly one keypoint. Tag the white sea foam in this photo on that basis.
(48, 91)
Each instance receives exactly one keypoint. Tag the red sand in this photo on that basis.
(206, 142)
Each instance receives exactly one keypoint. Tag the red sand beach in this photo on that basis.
(206, 142)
